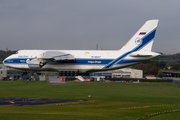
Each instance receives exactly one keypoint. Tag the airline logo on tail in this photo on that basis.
(138, 41)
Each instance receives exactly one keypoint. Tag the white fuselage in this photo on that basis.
(85, 60)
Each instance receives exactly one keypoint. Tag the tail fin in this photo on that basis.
(143, 39)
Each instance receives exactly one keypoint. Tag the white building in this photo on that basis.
(121, 73)
(127, 73)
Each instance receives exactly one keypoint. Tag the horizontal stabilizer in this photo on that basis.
(139, 55)
(143, 54)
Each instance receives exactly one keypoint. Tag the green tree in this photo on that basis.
(146, 69)
(161, 64)
(160, 74)
(176, 66)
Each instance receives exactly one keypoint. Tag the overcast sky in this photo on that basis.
(81, 24)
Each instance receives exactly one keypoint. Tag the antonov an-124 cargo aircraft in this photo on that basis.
(80, 62)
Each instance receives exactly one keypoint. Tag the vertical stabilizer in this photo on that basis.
(143, 39)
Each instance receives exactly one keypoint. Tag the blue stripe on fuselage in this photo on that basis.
(145, 40)
(77, 61)
(85, 61)
(17, 60)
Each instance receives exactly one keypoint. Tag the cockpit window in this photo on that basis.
(17, 52)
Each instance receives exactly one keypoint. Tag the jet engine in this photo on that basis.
(36, 64)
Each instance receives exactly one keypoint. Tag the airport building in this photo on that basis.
(120, 73)
(7, 72)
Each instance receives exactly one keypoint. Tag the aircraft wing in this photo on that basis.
(56, 56)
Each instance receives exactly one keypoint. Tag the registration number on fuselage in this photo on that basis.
(95, 56)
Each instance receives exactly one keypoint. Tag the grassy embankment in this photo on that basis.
(114, 101)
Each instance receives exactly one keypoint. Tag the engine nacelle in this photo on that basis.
(35, 63)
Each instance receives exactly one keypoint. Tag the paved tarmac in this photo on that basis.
(31, 101)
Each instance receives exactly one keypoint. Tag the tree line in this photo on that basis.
(154, 66)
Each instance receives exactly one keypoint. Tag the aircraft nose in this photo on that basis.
(5, 60)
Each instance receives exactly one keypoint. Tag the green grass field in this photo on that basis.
(113, 101)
